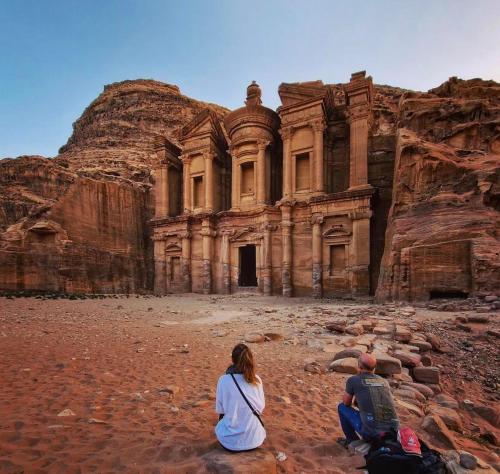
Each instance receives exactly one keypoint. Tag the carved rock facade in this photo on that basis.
(263, 208)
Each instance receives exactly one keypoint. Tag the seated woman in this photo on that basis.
(239, 403)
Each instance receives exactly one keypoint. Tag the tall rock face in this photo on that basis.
(79, 222)
(442, 234)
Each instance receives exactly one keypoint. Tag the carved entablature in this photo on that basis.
(248, 234)
(302, 114)
(360, 213)
(167, 152)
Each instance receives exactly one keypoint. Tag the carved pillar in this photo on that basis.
(286, 229)
(317, 257)
(187, 183)
(358, 96)
(360, 276)
(226, 262)
(162, 207)
(160, 267)
(208, 236)
(267, 270)
(318, 127)
(209, 182)
(186, 261)
(286, 134)
(261, 172)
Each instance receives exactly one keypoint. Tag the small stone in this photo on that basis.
(66, 412)
(174, 409)
(314, 368)
(479, 318)
(336, 326)
(96, 421)
(273, 336)
(170, 389)
(281, 456)
(468, 460)
(285, 400)
(355, 329)
(490, 298)
(254, 337)
(446, 401)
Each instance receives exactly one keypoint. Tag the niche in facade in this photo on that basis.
(247, 178)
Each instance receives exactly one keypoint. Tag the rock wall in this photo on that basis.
(79, 222)
(442, 235)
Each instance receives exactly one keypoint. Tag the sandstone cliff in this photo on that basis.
(79, 222)
(442, 235)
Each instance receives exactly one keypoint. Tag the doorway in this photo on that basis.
(247, 266)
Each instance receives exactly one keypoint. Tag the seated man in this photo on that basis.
(373, 397)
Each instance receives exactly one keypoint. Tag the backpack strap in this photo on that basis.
(254, 411)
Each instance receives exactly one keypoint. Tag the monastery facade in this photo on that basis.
(269, 202)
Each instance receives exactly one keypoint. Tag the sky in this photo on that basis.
(56, 56)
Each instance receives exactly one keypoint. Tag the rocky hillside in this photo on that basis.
(442, 235)
(78, 222)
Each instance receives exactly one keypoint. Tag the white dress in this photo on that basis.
(240, 429)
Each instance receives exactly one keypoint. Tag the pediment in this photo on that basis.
(206, 122)
(338, 230)
(249, 233)
(173, 248)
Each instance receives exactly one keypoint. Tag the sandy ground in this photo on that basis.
(107, 360)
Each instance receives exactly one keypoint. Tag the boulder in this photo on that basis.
(428, 375)
(446, 401)
(348, 365)
(450, 417)
(408, 359)
(336, 326)
(355, 329)
(437, 428)
(402, 334)
(251, 462)
(387, 365)
(423, 389)
(410, 407)
(423, 346)
(347, 353)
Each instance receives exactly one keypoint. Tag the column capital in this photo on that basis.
(286, 202)
(186, 159)
(209, 155)
(318, 125)
(185, 235)
(317, 220)
(268, 227)
(358, 214)
(285, 132)
(262, 144)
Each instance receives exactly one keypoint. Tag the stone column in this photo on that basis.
(360, 252)
(187, 184)
(358, 97)
(261, 172)
(160, 287)
(286, 135)
(286, 229)
(209, 182)
(226, 262)
(267, 265)
(186, 261)
(318, 127)
(235, 182)
(208, 236)
(317, 257)
(162, 206)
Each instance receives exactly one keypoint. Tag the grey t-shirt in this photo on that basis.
(375, 402)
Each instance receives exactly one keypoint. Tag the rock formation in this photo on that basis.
(442, 236)
(80, 222)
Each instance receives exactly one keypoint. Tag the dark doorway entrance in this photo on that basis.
(248, 266)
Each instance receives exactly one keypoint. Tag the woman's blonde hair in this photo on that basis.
(243, 363)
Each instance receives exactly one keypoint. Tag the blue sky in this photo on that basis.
(56, 56)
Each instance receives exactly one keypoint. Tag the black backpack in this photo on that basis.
(386, 456)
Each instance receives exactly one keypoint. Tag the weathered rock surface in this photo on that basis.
(78, 223)
(443, 222)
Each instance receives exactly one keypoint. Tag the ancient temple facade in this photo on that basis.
(271, 202)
